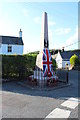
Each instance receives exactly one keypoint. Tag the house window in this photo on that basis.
(0, 45)
(9, 48)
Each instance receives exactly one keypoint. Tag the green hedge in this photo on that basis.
(18, 65)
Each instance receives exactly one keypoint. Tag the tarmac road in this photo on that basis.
(22, 102)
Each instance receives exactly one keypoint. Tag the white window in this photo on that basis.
(9, 48)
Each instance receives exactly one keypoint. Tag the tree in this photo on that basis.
(54, 64)
(74, 60)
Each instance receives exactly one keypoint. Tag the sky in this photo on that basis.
(62, 23)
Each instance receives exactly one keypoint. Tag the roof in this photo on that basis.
(11, 40)
(66, 55)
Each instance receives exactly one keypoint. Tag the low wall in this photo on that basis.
(62, 75)
(66, 75)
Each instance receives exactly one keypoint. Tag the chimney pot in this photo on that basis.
(20, 33)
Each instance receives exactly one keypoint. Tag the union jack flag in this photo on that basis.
(47, 63)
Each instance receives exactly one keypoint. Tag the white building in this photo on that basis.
(63, 58)
(11, 45)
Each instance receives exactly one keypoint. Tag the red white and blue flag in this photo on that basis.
(47, 63)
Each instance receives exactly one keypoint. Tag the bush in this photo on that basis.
(74, 60)
(54, 64)
(18, 65)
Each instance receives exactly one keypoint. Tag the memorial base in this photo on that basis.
(41, 81)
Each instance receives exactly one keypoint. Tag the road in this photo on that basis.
(22, 102)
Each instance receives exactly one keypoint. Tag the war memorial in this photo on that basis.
(43, 74)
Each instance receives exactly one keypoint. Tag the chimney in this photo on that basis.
(20, 34)
(62, 49)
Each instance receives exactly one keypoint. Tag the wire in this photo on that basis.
(70, 44)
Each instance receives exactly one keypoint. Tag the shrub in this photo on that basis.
(74, 60)
(54, 64)
(18, 65)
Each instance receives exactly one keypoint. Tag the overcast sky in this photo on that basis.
(62, 23)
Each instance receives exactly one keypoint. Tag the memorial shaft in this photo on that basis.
(44, 42)
(44, 34)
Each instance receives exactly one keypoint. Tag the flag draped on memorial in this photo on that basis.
(44, 59)
(47, 63)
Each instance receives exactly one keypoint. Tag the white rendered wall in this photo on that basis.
(16, 49)
(59, 60)
(59, 63)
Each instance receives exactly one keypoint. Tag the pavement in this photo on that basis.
(22, 102)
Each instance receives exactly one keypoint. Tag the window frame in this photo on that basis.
(9, 48)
